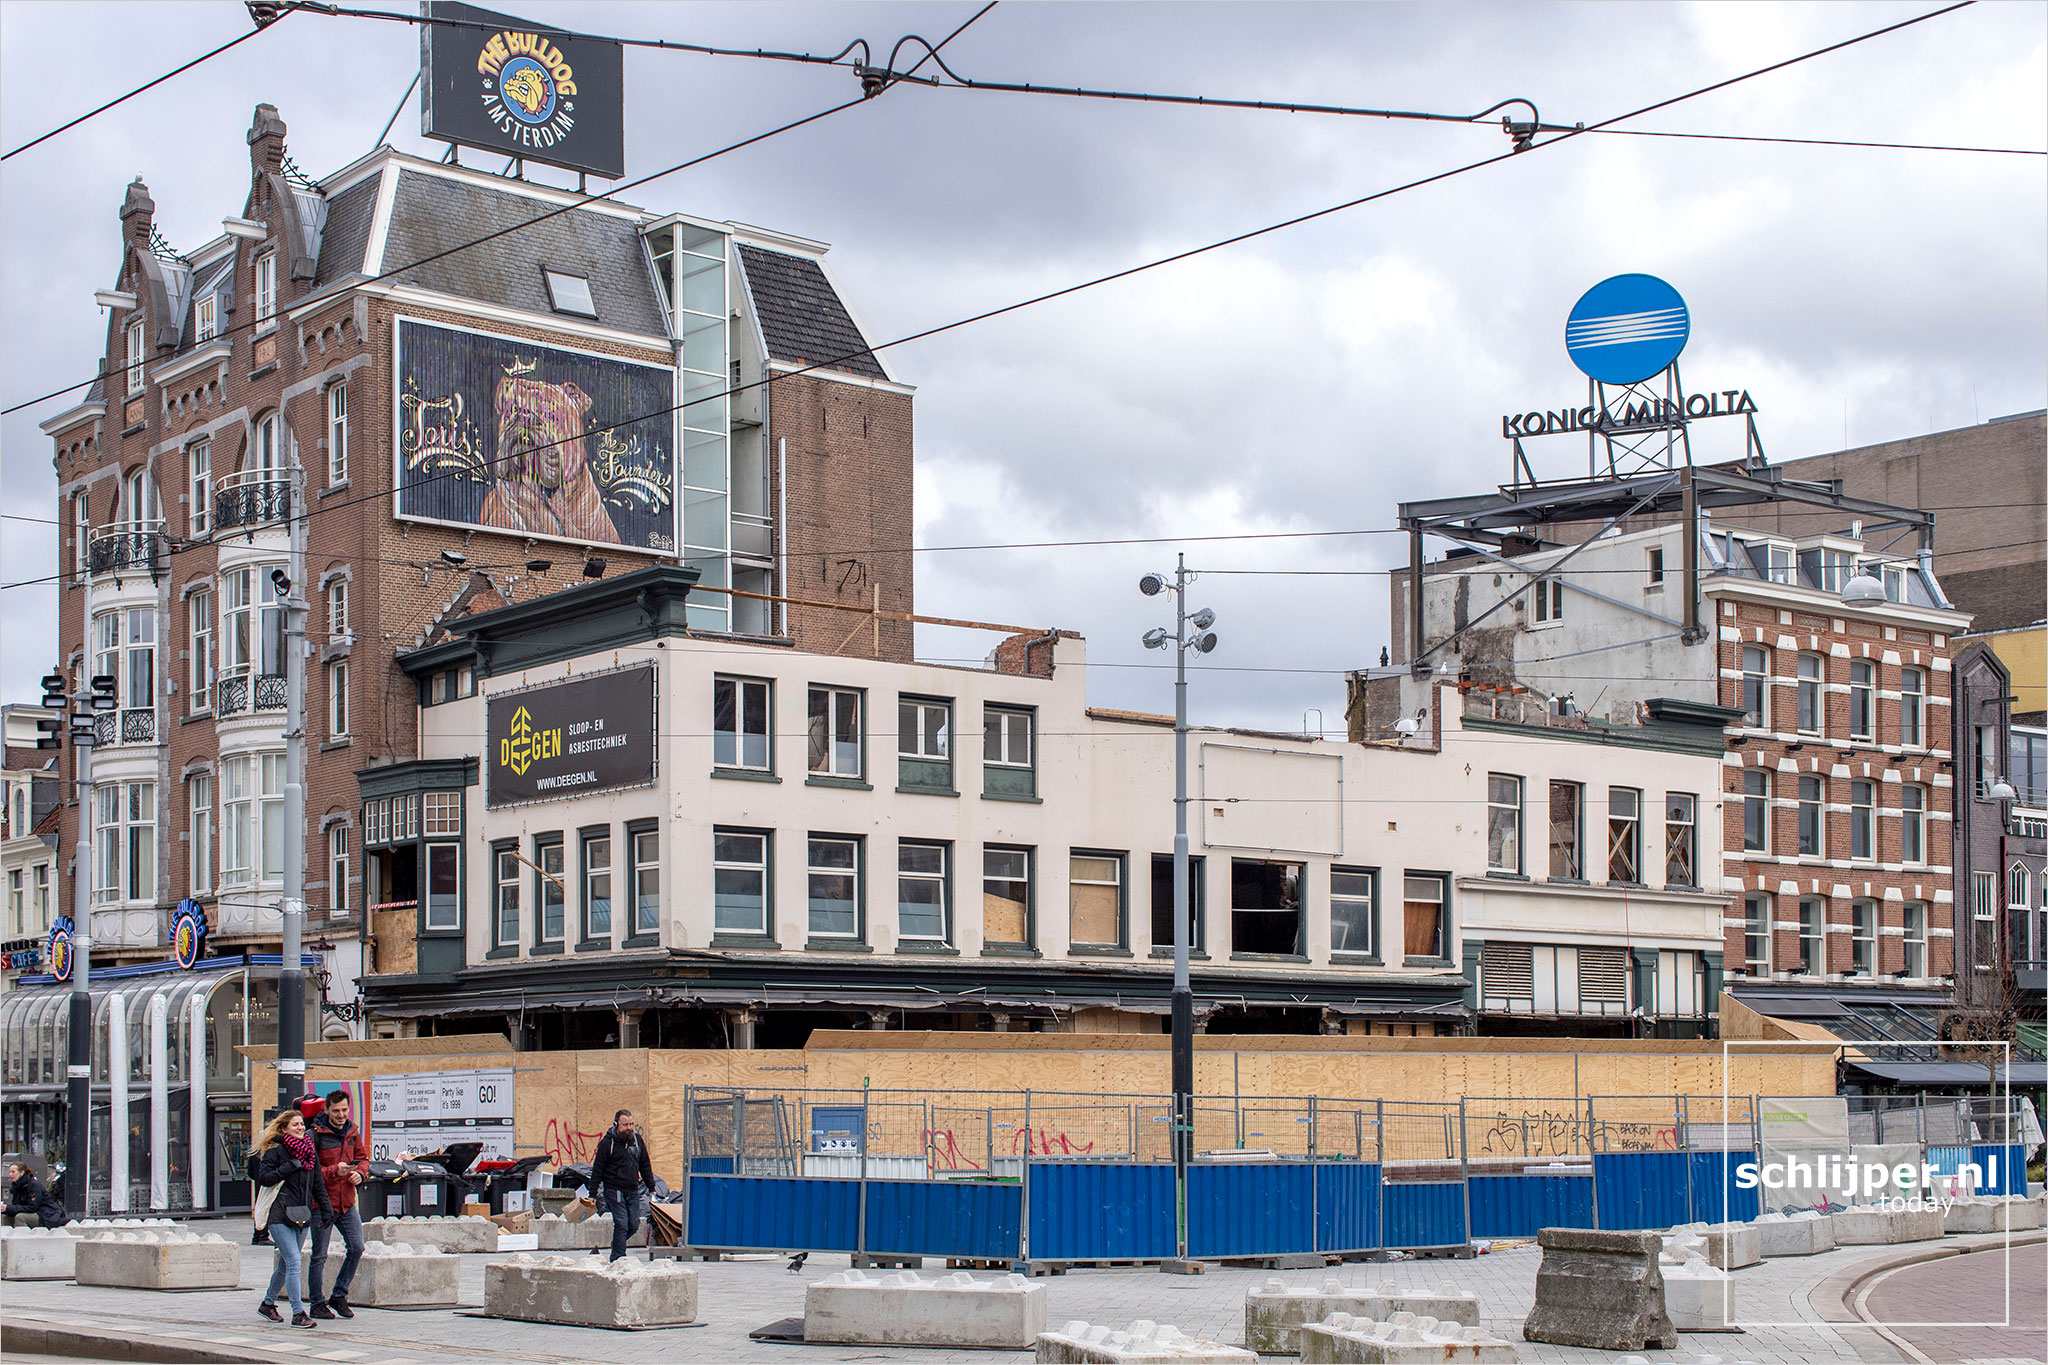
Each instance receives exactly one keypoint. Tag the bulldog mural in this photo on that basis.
(507, 435)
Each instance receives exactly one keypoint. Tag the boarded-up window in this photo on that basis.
(1095, 899)
(1507, 971)
(1005, 895)
(1422, 915)
(1603, 976)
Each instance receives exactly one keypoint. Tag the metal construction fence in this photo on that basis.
(1039, 1176)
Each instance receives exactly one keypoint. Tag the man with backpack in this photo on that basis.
(621, 1177)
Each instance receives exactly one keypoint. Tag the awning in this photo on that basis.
(1952, 1075)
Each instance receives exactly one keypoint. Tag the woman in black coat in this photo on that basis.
(284, 1160)
(26, 1197)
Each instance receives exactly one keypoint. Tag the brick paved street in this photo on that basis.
(737, 1297)
(1969, 1289)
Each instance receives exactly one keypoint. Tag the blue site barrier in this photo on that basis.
(968, 1219)
(1715, 1195)
(1251, 1209)
(1102, 1211)
(1641, 1189)
(1347, 1206)
(770, 1213)
(1523, 1205)
(1423, 1215)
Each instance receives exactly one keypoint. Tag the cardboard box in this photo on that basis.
(521, 1221)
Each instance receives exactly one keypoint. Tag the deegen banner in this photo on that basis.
(591, 734)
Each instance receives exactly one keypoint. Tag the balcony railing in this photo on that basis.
(234, 692)
(138, 726)
(252, 499)
(127, 546)
(105, 725)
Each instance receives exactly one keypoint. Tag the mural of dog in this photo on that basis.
(544, 485)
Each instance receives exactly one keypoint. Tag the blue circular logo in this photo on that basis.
(527, 90)
(1625, 329)
(61, 961)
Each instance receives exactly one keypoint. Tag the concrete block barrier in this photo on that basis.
(559, 1234)
(38, 1253)
(1805, 1233)
(580, 1291)
(1600, 1289)
(1869, 1225)
(1991, 1213)
(396, 1275)
(84, 1226)
(1274, 1313)
(159, 1260)
(1726, 1246)
(1699, 1297)
(1403, 1339)
(907, 1309)
(453, 1235)
(1145, 1343)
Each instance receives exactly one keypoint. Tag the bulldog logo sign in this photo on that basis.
(502, 84)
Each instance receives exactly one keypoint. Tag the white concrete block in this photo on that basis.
(159, 1260)
(455, 1235)
(1728, 1246)
(38, 1253)
(395, 1275)
(518, 1241)
(1805, 1233)
(1991, 1213)
(1869, 1225)
(1274, 1313)
(559, 1234)
(585, 1291)
(906, 1309)
(1145, 1343)
(1698, 1297)
(1403, 1339)
(95, 1226)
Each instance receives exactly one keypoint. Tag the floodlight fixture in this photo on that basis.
(1202, 619)
(1158, 638)
(593, 567)
(454, 559)
(539, 565)
(2001, 790)
(1152, 584)
(280, 582)
(1204, 642)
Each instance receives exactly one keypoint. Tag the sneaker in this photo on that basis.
(321, 1310)
(269, 1310)
(303, 1320)
(340, 1307)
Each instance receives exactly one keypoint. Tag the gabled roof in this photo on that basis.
(347, 234)
(802, 317)
(432, 213)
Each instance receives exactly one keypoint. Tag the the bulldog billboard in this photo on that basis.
(509, 435)
(590, 734)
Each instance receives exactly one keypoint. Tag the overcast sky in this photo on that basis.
(1309, 380)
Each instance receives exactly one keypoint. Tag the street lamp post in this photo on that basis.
(1202, 641)
(78, 1052)
(290, 586)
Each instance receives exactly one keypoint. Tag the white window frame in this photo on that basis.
(1756, 931)
(1865, 694)
(1813, 935)
(1549, 593)
(441, 814)
(1630, 820)
(337, 612)
(1504, 823)
(337, 701)
(1004, 730)
(1361, 909)
(42, 897)
(550, 889)
(830, 762)
(814, 870)
(205, 317)
(1756, 679)
(238, 827)
(1812, 695)
(910, 738)
(1682, 832)
(1760, 802)
(1577, 866)
(1912, 708)
(239, 624)
(1913, 825)
(1915, 920)
(199, 853)
(337, 432)
(908, 878)
(1863, 938)
(81, 518)
(124, 820)
(645, 848)
(505, 877)
(594, 862)
(1863, 817)
(731, 748)
(138, 660)
(135, 355)
(1819, 809)
(337, 869)
(266, 287)
(270, 768)
(199, 485)
(742, 854)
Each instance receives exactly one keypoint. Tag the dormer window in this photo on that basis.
(206, 318)
(569, 293)
(266, 286)
(134, 345)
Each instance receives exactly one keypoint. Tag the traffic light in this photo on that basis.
(105, 692)
(52, 728)
(53, 691)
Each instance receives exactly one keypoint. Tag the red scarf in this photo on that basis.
(302, 1148)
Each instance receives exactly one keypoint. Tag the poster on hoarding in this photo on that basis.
(498, 434)
(426, 1111)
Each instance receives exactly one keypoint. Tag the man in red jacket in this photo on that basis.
(344, 1164)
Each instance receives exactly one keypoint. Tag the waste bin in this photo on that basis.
(448, 1169)
(382, 1193)
(425, 1189)
(508, 1178)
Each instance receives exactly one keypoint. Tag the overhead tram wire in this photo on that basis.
(1086, 284)
(544, 217)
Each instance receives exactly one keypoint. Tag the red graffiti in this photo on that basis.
(565, 1145)
(945, 1151)
(1667, 1139)
(1043, 1144)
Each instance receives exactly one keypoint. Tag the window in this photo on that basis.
(550, 893)
(2018, 907)
(1756, 811)
(1983, 897)
(1162, 904)
(1549, 594)
(252, 625)
(1424, 902)
(1756, 933)
(199, 792)
(337, 700)
(337, 869)
(270, 802)
(740, 723)
(1006, 745)
(337, 611)
(1916, 939)
(238, 821)
(1656, 565)
(1813, 937)
(835, 733)
(1354, 901)
(236, 606)
(646, 881)
(206, 317)
(1862, 700)
(42, 897)
(739, 882)
(1811, 713)
(1863, 820)
(1912, 708)
(2026, 766)
(124, 818)
(1812, 822)
(1863, 938)
(834, 872)
(505, 900)
(1006, 896)
(1265, 907)
(135, 356)
(81, 520)
(199, 472)
(17, 901)
(597, 886)
(1624, 835)
(1756, 675)
(924, 744)
(1987, 759)
(1778, 563)
(924, 910)
(266, 286)
(569, 293)
(1503, 823)
(443, 813)
(1913, 824)
(337, 433)
(139, 690)
(1681, 839)
(1566, 855)
(1095, 900)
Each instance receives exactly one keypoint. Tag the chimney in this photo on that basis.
(138, 215)
(266, 142)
